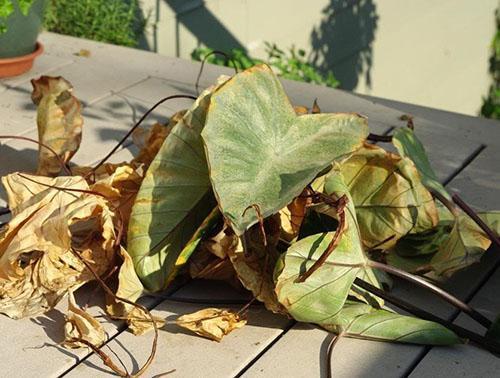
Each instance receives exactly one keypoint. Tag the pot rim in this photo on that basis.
(22, 58)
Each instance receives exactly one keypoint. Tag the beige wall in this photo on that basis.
(427, 52)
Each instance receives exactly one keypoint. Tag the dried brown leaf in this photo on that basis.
(212, 323)
(59, 122)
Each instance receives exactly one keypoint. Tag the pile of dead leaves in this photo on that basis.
(297, 208)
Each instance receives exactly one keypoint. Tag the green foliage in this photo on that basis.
(491, 104)
(7, 8)
(112, 21)
(292, 64)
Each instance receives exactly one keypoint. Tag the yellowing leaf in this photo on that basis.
(81, 325)
(37, 250)
(212, 323)
(59, 122)
(389, 196)
(293, 215)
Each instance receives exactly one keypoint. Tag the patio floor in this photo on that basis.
(117, 85)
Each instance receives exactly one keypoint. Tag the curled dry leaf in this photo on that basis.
(388, 195)
(293, 215)
(59, 122)
(81, 325)
(130, 287)
(254, 262)
(37, 261)
(212, 323)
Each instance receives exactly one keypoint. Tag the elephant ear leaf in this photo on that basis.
(322, 295)
(173, 201)
(408, 145)
(261, 153)
(359, 320)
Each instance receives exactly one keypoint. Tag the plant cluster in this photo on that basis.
(7, 8)
(112, 21)
(291, 64)
(296, 206)
(491, 104)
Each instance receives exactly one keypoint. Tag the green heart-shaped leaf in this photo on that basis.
(261, 153)
(363, 321)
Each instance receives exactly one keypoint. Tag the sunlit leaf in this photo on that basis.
(320, 298)
(261, 153)
(211, 323)
(408, 145)
(174, 199)
(465, 244)
(81, 325)
(59, 122)
(359, 320)
(389, 197)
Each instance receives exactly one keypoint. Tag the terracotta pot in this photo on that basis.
(19, 65)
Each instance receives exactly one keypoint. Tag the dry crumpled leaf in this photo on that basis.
(38, 264)
(293, 215)
(150, 139)
(212, 323)
(254, 264)
(81, 325)
(131, 288)
(59, 122)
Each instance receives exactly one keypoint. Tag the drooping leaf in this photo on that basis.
(408, 145)
(465, 244)
(362, 321)
(81, 325)
(320, 298)
(389, 197)
(37, 249)
(174, 199)
(261, 153)
(59, 122)
(212, 323)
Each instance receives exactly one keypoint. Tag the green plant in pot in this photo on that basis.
(20, 23)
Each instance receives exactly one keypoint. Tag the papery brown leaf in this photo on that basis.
(300, 110)
(211, 323)
(81, 325)
(59, 122)
(293, 215)
(37, 250)
(131, 288)
(254, 263)
(149, 140)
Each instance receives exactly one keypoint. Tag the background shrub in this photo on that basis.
(113, 21)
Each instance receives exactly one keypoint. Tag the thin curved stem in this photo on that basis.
(379, 138)
(137, 124)
(64, 166)
(214, 52)
(481, 319)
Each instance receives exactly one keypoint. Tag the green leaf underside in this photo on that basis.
(362, 321)
(174, 199)
(389, 197)
(320, 298)
(261, 153)
(408, 145)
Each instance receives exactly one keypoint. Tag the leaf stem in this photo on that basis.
(214, 52)
(379, 138)
(482, 341)
(481, 319)
(471, 213)
(138, 123)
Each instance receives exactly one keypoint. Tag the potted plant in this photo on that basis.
(20, 22)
